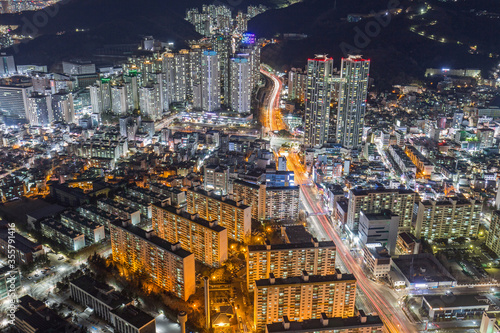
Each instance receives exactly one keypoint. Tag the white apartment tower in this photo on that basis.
(240, 88)
(210, 84)
(318, 96)
(352, 101)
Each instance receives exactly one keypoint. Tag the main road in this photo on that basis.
(272, 120)
(385, 304)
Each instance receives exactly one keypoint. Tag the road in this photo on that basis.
(384, 303)
(293, 164)
(370, 298)
(272, 119)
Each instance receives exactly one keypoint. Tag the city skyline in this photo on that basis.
(255, 167)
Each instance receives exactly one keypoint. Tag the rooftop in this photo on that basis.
(55, 225)
(326, 324)
(449, 301)
(290, 246)
(191, 217)
(422, 268)
(21, 243)
(310, 279)
(101, 291)
(220, 198)
(132, 315)
(360, 192)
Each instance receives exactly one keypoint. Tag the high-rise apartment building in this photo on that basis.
(398, 201)
(253, 195)
(303, 297)
(7, 64)
(14, 100)
(318, 96)
(207, 240)
(282, 203)
(207, 95)
(39, 111)
(240, 85)
(352, 101)
(297, 80)
(119, 100)
(251, 51)
(450, 218)
(63, 108)
(493, 240)
(268, 202)
(232, 215)
(222, 45)
(175, 67)
(287, 260)
(169, 266)
(100, 96)
(150, 102)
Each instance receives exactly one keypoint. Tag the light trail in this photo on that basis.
(273, 120)
(394, 322)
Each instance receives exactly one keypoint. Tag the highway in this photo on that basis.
(272, 120)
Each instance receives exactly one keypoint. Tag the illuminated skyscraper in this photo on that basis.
(207, 96)
(240, 90)
(63, 108)
(318, 96)
(352, 101)
(150, 101)
(39, 110)
(222, 45)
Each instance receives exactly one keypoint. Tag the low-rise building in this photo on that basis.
(148, 195)
(377, 259)
(9, 277)
(98, 296)
(25, 251)
(93, 231)
(406, 243)
(122, 211)
(129, 319)
(454, 306)
(59, 233)
(33, 316)
(95, 214)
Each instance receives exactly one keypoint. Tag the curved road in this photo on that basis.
(272, 117)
